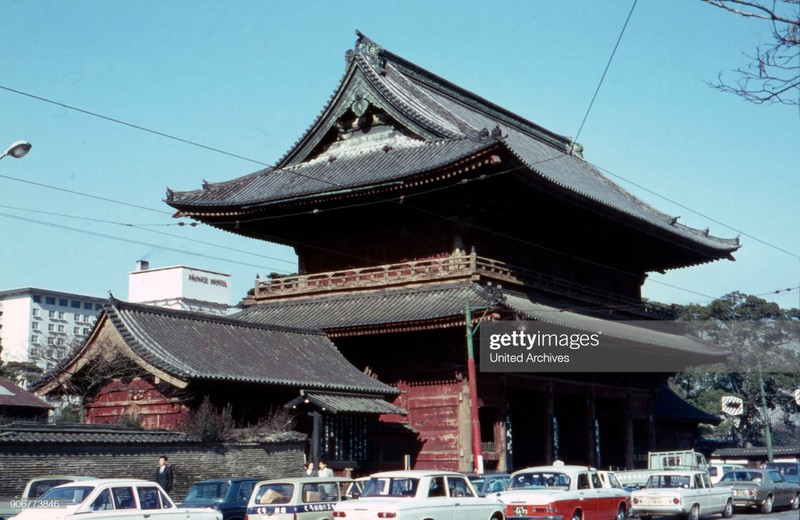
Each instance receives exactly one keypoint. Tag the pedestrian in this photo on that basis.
(310, 471)
(324, 470)
(164, 474)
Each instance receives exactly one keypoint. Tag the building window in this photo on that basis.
(37, 298)
(63, 302)
(51, 327)
(98, 306)
(50, 300)
(76, 331)
(34, 352)
(35, 340)
(61, 328)
(87, 306)
(35, 325)
(61, 315)
(53, 315)
(36, 313)
(75, 304)
(85, 331)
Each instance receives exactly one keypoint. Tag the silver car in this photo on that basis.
(763, 489)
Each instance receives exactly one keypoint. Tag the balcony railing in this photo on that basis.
(459, 266)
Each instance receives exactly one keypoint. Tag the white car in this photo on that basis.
(414, 494)
(688, 494)
(110, 499)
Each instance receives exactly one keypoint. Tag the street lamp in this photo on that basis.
(17, 150)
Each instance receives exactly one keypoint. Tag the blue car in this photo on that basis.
(227, 495)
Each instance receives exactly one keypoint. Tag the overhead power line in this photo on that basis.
(324, 181)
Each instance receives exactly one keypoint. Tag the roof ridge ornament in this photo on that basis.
(369, 50)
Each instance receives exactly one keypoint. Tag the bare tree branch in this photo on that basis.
(773, 74)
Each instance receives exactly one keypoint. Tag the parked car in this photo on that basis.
(689, 494)
(716, 471)
(561, 491)
(414, 494)
(110, 499)
(229, 496)
(303, 498)
(355, 488)
(789, 470)
(762, 489)
(34, 488)
(485, 483)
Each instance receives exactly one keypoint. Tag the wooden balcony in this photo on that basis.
(461, 266)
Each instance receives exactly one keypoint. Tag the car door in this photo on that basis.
(467, 505)
(439, 503)
(588, 497)
(783, 492)
(122, 506)
(155, 505)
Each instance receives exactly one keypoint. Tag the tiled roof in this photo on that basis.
(369, 308)
(445, 303)
(449, 120)
(13, 395)
(335, 173)
(347, 403)
(757, 451)
(668, 404)
(198, 346)
(24, 433)
(614, 329)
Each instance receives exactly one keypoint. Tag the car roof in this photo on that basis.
(229, 479)
(673, 472)
(303, 480)
(61, 477)
(555, 469)
(416, 473)
(101, 481)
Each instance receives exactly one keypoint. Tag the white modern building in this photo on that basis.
(180, 287)
(40, 326)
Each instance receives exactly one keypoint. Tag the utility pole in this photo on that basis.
(477, 451)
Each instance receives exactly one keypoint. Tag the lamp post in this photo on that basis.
(477, 452)
(17, 150)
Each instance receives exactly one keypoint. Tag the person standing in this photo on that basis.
(164, 474)
(310, 471)
(324, 470)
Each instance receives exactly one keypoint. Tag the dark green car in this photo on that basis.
(229, 496)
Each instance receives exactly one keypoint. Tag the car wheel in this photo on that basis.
(766, 507)
(620, 513)
(728, 511)
(576, 515)
(694, 513)
(795, 503)
(645, 517)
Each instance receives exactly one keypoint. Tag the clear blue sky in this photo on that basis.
(248, 77)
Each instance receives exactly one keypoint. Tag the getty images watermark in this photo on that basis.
(627, 346)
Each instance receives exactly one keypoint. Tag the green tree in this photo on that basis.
(764, 343)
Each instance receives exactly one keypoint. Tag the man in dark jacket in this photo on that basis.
(164, 474)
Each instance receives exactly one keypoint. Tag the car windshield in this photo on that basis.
(787, 469)
(396, 487)
(39, 487)
(669, 481)
(278, 493)
(65, 496)
(741, 476)
(538, 479)
(207, 491)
